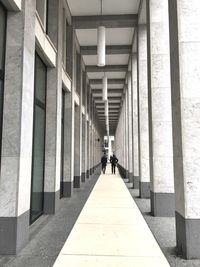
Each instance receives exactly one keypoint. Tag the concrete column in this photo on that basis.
(91, 134)
(124, 135)
(126, 129)
(78, 127)
(53, 115)
(16, 157)
(135, 147)
(160, 122)
(130, 129)
(88, 132)
(185, 82)
(144, 179)
(77, 170)
(84, 128)
(83, 175)
(90, 129)
(88, 149)
(69, 119)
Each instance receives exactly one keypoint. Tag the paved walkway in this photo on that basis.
(111, 231)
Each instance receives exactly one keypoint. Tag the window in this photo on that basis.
(42, 10)
(2, 61)
(38, 155)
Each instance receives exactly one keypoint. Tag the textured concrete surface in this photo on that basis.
(49, 233)
(164, 231)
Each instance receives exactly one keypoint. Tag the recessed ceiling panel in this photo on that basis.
(110, 7)
(110, 86)
(114, 36)
(110, 75)
(110, 60)
(109, 94)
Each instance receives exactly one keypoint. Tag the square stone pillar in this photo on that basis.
(77, 170)
(126, 132)
(16, 154)
(53, 114)
(130, 129)
(84, 129)
(78, 126)
(160, 115)
(88, 131)
(135, 145)
(185, 82)
(69, 119)
(144, 179)
(83, 175)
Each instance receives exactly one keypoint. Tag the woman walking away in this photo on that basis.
(104, 163)
(114, 161)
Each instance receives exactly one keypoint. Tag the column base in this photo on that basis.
(14, 233)
(188, 237)
(67, 189)
(144, 188)
(90, 171)
(51, 202)
(77, 181)
(136, 182)
(122, 171)
(83, 176)
(87, 174)
(130, 177)
(162, 204)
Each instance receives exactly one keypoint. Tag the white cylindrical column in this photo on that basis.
(106, 109)
(101, 46)
(105, 88)
(160, 116)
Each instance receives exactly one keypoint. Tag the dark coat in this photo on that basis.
(114, 160)
(104, 161)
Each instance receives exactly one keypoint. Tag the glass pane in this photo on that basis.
(37, 189)
(38, 163)
(40, 80)
(2, 35)
(1, 110)
(40, 7)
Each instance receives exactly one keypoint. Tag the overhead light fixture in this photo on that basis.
(105, 87)
(101, 45)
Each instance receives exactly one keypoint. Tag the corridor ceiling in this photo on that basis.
(120, 19)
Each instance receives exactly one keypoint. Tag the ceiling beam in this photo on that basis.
(102, 104)
(108, 68)
(109, 98)
(110, 81)
(110, 91)
(110, 50)
(109, 21)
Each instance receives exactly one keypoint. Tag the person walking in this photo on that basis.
(104, 163)
(114, 162)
